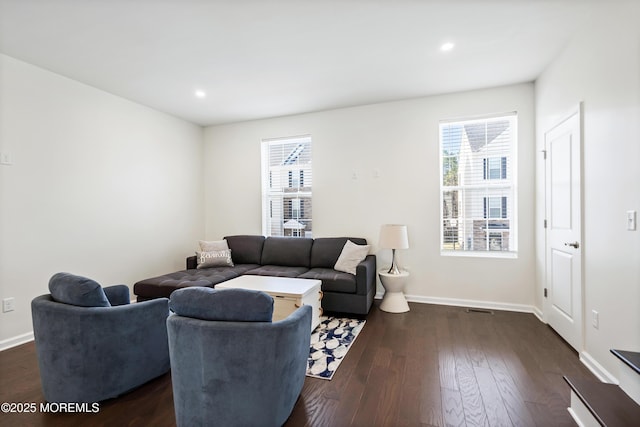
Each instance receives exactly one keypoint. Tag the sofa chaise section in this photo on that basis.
(246, 252)
(163, 286)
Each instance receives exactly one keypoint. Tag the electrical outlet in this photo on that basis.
(8, 304)
(595, 319)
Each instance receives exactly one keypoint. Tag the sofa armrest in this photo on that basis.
(366, 275)
(192, 262)
(117, 294)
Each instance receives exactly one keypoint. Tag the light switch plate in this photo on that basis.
(631, 220)
(5, 158)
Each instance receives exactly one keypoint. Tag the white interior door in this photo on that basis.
(564, 308)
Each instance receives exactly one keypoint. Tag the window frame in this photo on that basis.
(452, 195)
(292, 177)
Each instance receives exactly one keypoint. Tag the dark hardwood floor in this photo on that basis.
(433, 366)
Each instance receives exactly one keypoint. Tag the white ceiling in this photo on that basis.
(261, 58)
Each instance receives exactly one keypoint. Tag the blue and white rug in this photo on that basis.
(330, 342)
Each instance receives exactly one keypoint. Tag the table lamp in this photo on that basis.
(394, 236)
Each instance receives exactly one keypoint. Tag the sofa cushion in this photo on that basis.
(163, 286)
(231, 305)
(245, 249)
(326, 250)
(287, 251)
(77, 290)
(278, 271)
(351, 256)
(221, 258)
(332, 280)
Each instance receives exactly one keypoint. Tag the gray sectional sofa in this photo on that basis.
(282, 257)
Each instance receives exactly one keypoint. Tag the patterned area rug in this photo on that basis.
(330, 342)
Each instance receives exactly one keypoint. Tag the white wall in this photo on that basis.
(601, 67)
(99, 186)
(399, 141)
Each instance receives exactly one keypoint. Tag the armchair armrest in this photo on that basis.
(117, 294)
(366, 275)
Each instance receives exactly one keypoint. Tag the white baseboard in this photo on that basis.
(16, 341)
(489, 305)
(597, 369)
(539, 314)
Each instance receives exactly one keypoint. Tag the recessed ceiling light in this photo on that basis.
(446, 47)
(200, 94)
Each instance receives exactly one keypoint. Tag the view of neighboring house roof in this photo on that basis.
(293, 156)
(476, 133)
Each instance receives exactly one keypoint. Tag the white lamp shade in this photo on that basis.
(394, 236)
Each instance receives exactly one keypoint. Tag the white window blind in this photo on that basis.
(286, 187)
(477, 183)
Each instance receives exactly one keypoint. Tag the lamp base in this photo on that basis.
(394, 269)
(394, 266)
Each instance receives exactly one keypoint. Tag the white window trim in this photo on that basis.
(491, 183)
(266, 179)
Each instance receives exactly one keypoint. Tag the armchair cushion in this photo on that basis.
(77, 290)
(232, 305)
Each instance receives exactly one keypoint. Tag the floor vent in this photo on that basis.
(479, 310)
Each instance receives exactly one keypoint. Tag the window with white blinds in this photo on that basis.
(477, 183)
(286, 187)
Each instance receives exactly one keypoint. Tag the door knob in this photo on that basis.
(574, 244)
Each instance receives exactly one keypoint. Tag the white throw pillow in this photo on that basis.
(213, 245)
(351, 256)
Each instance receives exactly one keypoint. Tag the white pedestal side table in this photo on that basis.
(394, 300)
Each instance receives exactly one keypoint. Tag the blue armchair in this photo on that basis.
(93, 345)
(230, 365)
